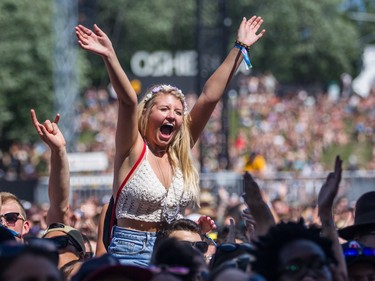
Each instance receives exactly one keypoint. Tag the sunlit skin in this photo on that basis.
(21, 226)
(167, 109)
(184, 235)
(165, 117)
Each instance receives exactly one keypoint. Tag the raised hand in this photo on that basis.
(49, 132)
(258, 208)
(247, 32)
(330, 188)
(95, 41)
(206, 223)
(251, 190)
(250, 224)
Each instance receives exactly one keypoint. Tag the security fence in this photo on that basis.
(293, 187)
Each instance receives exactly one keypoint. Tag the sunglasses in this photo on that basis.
(201, 246)
(11, 218)
(65, 237)
(355, 252)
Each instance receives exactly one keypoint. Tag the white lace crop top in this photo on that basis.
(144, 197)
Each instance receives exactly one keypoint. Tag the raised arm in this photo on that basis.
(326, 197)
(59, 178)
(257, 206)
(214, 88)
(97, 41)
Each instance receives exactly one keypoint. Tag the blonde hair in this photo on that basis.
(7, 196)
(179, 150)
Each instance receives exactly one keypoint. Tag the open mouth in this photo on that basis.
(166, 129)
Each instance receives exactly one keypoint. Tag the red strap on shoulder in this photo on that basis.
(113, 216)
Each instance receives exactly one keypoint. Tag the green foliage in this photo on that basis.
(26, 68)
(306, 41)
(26, 73)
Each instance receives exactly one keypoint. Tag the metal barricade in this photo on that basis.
(291, 186)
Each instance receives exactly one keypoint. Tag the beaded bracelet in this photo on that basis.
(237, 42)
(245, 51)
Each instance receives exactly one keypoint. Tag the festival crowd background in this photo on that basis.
(281, 132)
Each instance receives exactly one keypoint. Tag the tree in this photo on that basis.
(306, 41)
(26, 73)
(26, 68)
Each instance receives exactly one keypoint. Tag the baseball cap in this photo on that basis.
(99, 267)
(74, 234)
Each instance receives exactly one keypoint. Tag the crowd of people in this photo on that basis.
(297, 124)
(291, 132)
(159, 223)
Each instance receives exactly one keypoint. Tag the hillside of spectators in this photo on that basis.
(296, 131)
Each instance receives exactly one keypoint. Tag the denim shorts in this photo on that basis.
(132, 247)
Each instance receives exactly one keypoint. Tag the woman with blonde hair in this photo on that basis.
(154, 175)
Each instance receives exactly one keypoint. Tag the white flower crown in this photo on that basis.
(166, 88)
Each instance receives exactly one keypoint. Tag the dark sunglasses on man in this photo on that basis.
(201, 246)
(11, 218)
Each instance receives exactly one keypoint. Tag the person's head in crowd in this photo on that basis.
(13, 214)
(108, 268)
(188, 231)
(360, 261)
(184, 229)
(292, 251)
(281, 208)
(178, 258)
(68, 240)
(35, 261)
(363, 229)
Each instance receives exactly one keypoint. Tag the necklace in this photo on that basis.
(165, 181)
(158, 153)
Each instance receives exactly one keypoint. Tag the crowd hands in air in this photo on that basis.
(227, 238)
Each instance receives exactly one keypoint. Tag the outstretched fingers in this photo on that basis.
(57, 118)
(338, 165)
(83, 34)
(250, 20)
(84, 30)
(36, 123)
(97, 30)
